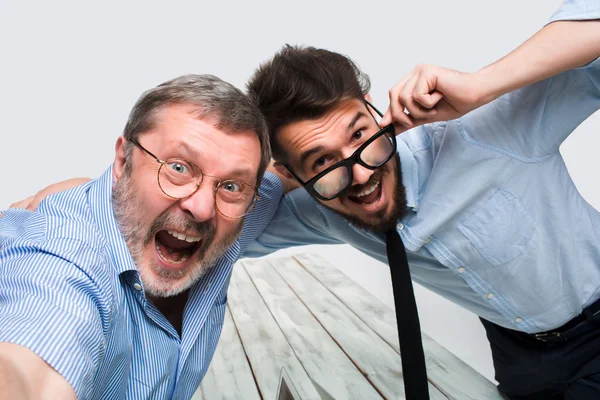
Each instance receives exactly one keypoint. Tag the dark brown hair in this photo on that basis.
(301, 83)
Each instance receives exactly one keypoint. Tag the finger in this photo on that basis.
(402, 126)
(429, 100)
(22, 204)
(424, 87)
(40, 196)
(394, 108)
(386, 119)
(407, 97)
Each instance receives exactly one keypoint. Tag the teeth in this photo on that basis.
(183, 259)
(368, 190)
(181, 236)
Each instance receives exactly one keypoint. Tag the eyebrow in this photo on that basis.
(236, 174)
(318, 149)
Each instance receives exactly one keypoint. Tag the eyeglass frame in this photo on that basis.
(198, 184)
(350, 161)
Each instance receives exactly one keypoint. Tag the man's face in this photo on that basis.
(376, 198)
(174, 242)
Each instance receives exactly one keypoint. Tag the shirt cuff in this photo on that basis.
(577, 10)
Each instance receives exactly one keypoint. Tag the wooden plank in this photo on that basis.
(229, 376)
(323, 359)
(446, 371)
(265, 345)
(380, 364)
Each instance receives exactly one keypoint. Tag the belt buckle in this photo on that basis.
(549, 337)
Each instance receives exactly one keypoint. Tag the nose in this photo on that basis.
(200, 205)
(360, 174)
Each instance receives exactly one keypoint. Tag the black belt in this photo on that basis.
(588, 319)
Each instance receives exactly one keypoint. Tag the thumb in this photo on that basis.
(386, 119)
(429, 100)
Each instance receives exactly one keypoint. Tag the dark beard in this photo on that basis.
(382, 224)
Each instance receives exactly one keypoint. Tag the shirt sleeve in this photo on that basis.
(577, 10)
(50, 306)
(270, 192)
(298, 221)
(531, 123)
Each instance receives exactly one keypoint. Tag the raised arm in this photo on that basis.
(431, 93)
(24, 375)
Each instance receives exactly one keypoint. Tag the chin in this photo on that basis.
(386, 204)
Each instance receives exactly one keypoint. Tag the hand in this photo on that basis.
(32, 202)
(289, 183)
(429, 94)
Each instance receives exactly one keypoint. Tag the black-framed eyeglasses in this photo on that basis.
(372, 154)
(178, 179)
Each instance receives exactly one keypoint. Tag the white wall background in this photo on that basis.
(70, 72)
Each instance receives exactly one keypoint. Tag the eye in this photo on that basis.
(232, 187)
(320, 162)
(357, 135)
(179, 168)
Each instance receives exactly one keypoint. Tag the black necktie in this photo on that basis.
(407, 318)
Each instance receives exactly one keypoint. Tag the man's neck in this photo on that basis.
(172, 308)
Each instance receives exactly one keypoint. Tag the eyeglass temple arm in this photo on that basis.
(135, 142)
(371, 106)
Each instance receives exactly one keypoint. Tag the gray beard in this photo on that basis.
(127, 213)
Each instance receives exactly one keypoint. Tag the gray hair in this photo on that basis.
(213, 97)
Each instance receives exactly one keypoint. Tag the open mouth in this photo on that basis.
(175, 248)
(370, 195)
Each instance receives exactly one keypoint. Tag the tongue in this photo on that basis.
(172, 248)
(368, 198)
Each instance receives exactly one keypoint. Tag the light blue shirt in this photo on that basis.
(70, 292)
(495, 222)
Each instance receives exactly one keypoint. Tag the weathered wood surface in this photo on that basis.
(379, 363)
(266, 347)
(322, 358)
(447, 372)
(305, 315)
(229, 376)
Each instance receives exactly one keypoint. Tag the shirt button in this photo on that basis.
(137, 286)
(400, 226)
(427, 240)
(461, 270)
(490, 296)
(518, 319)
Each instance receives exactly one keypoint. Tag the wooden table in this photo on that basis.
(303, 314)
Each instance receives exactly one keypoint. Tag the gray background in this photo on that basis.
(70, 72)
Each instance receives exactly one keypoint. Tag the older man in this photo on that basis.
(94, 284)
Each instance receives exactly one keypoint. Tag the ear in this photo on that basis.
(120, 159)
(282, 170)
(369, 98)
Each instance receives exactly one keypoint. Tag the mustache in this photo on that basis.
(356, 189)
(204, 228)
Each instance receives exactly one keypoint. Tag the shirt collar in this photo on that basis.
(410, 176)
(100, 200)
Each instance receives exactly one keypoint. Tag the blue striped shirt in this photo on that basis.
(70, 292)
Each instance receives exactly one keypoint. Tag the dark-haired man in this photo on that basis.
(484, 203)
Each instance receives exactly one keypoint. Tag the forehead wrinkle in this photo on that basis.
(318, 130)
(242, 168)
